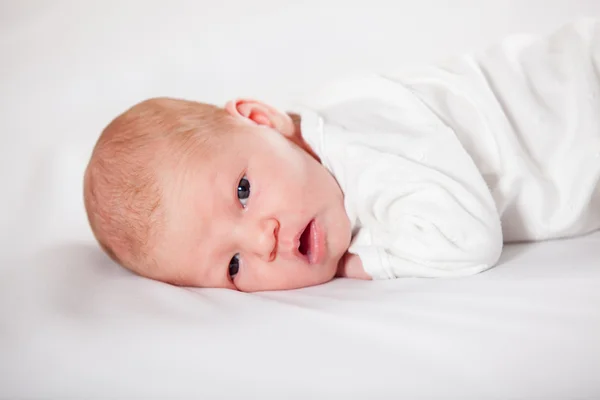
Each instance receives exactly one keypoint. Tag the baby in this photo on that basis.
(415, 174)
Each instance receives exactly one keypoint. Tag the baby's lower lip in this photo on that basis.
(312, 245)
(316, 252)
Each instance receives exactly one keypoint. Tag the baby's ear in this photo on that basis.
(258, 113)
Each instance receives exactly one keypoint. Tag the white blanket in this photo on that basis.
(74, 325)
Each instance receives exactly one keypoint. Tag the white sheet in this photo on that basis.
(73, 325)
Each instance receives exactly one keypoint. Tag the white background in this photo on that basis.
(68, 67)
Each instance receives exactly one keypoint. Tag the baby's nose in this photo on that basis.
(263, 238)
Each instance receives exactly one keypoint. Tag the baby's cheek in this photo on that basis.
(299, 276)
(295, 168)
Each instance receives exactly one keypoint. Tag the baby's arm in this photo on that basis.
(421, 205)
(425, 219)
(424, 211)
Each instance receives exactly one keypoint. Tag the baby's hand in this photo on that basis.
(350, 266)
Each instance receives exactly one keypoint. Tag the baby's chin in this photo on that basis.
(327, 272)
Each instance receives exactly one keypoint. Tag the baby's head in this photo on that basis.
(196, 195)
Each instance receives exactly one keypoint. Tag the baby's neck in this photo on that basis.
(298, 139)
(296, 119)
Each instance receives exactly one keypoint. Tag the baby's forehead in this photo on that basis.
(207, 172)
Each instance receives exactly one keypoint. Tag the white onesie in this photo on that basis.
(440, 166)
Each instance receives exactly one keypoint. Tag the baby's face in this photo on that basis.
(258, 214)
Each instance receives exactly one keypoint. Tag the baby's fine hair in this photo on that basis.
(122, 190)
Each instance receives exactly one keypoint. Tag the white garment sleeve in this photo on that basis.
(421, 208)
(417, 151)
(420, 220)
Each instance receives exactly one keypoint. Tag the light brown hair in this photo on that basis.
(122, 192)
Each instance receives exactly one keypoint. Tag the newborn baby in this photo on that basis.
(413, 174)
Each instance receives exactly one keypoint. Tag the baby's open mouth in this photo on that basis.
(306, 241)
(311, 243)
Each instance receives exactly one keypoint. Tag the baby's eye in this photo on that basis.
(243, 190)
(234, 266)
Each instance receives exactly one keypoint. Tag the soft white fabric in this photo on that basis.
(439, 166)
(75, 326)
